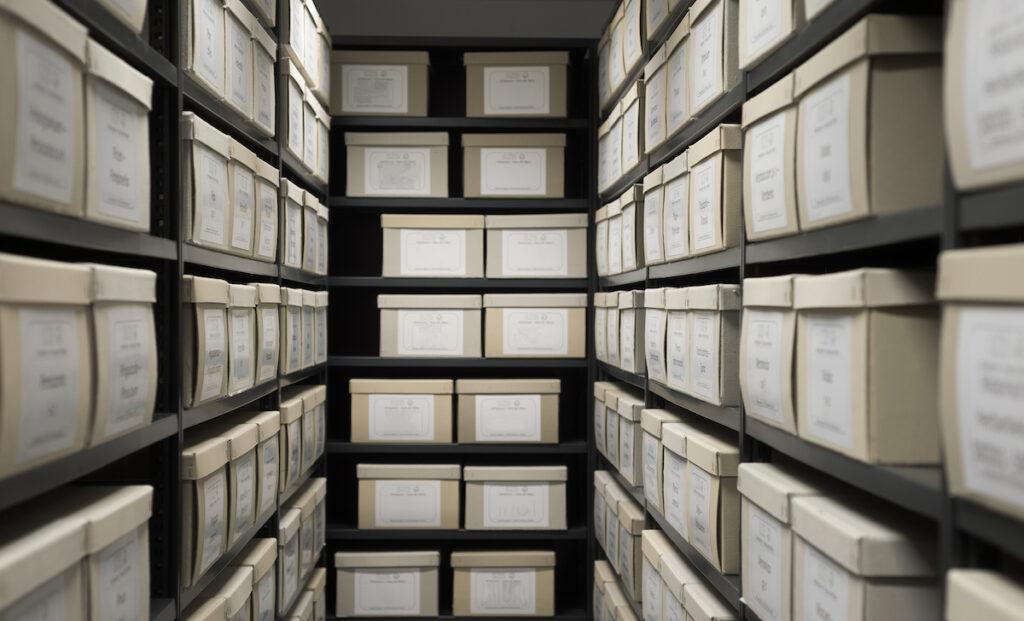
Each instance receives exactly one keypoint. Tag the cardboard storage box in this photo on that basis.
(676, 573)
(515, 498)
(207, 205)
(631, 331)
(131, 13)
(653, 218)
(268, 456)
(430, 325)
(264, 104)
(443, 246)
(612, 326)
(268, 181)
(322, 170)
(372, 584)
(291, 330)
(980, 593)
(124, 345)
(613, 495)
(401, 411)
(294, 103)
(536, 325)
(287, 558)
(675, 489)
(408, 496)
(611, 424)
(601, 480)
(982, 317)
(397, 164)
(238, 60)
(655, 318)
(310, 232)
(633, 41)
(205, 506)
(881, 567)
(653, 462)
(242, 192)
(675, 226)
(323, 218)
(379, 83)
(310, 132)
(508, 410)
(630, 464)
(657, 14)
(677, 339)
(242, 439)
(630, 565)
(505, 583)
(291, 31)
(308, 327)
(321, 299)
(702, 602)
(632, 106)
(314, 408)
(716, 192)
(520, 84)
(600, 389)
(616, 606)
(305, 501)
(604, 87)
(241, 335)
(291, 440)
(655, 87)
(769, 162)
(714, 343)
(714, 52)
(767, 491)
(767, 342)
(867, 364)
(653, 544)
(857, 154)
(713, 503)
(268, 330)
(292, 199)
(616, 59)
(205, 58)
(205, 375)
(609, 149)
(601, 241)
(600, 326)
(677, 94)
(631, 205)
(117, 103)
(537, 246)
(260, 555)
(615, 241)
(320, 512)
(234, 586)
(513, 165)
(604, 579)
(316, 586)
(765, 26)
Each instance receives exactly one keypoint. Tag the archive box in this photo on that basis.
(238, 57)
(401, 411)
(313, 400)
(767, 351)
(600, 388)
(769, 162)
(615, 241)
(374, 584)
(503, 583)
(765, 26)
(311, 109)
(206, 609)
(614, 495)
(857, 153)
(242, 193)
(676, 573)
(704, 603)
(515, 497)
(408, 496)
(268, 457)
(442, 246)
(628, 408)
(601, 480)
(287, 557)
(655, 86)
(291, 440)
(716, 190)
(537, 325)
(268, 330)
(653, 544)
(714, 52)
(981, 593)
(379, 83)
(205, 58)
(677, 339)
(609, 149)
(632, 34)
(206, 340)
(675, 181)
(537, 246)
(430, 325)
(655, 318)
(310, 232)
(867, 364)
(204, 504)
(241, 338)
(292, 199)
(631, 331)
(630, 565)
(653, 218)
(291, 329)
(268, 181)
(292, 31)
(632, 222)
(234, 586)
(616, 606)
(611, 423)
(604, 87)
(321, 299)
(600, 326)
(291, 135)
(205, 183)
(241, 439)
(508, 410)
(260, 555)
(131, 13)
(319, 485)
(305, 501)
(632, 106)
(517, 84)
(513, 165)
(601, 241)
(675, 495)
(264, 86)
(316, 586)
(657, 13)
(323, 218)
(308, 327)
(677, 89)
(604, 579)
(653, 462)
(396, 164)
(616, 59)
(714, 343)
(713, 503)
(322, 170)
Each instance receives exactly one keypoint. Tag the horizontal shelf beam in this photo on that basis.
(576, 447)
(634, 277)
(380, 282)
(426, 204)
(722, 415)
(301, 277)
(298, 376)
(350, 533)
(633, 379)
(992, 209)
(161, 609)
(295, 170)
(715, 262)
(208, 411)
(456, 122)
(195, 255)
(996, 529)
(455, 362)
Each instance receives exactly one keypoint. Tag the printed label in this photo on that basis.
(700, 510)
(535, 252)
(264, 106)
(119, 580)
(651, 601)
(615, 166)
(46, 601)
(677, 350)
(611, 426)
(269, 343)
(387, 592)
(763, 550)
(706, 60)
(829, 351)
(615, 245)
(763, 25)
(208, 42)
(704, 220)
(601, 247)
(704, 355)
(627, 340)
(292, 234)
(407, 503)
(825, 129)
(375, 89)
(508, 418)
(601, 333)
(401, 418)
(768, 174)
(632, 48)
(396, 171)
(294, 117)
(677, 221)
(677, 106)
(654, 109)
(502, 591)
(241, 348)
(652, 226)
(432, 252)
(245, 487)
(826, 588)
(243, 209)
(535, 331)
(211, 196)
(515, 505)
(616, 62)
(49, 381)
(266, 227)
(514, 172)
(517, 90)
(117, 121)
(214, 491)
(430, 332)
(294, 336)
(764, 363)
(307, 336)
(128, 327)
(599, 432)
(652, 486)
(627, 456)
(654, 348)
(613, 336)
(269, 474)
(674, 478)
(631, 136)
(239, 66)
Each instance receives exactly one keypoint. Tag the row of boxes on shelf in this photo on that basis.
(414, 411)
(235, 470)
(484, 583)
(240, 336)
(452, 246)
(307, 124)
(307, 43)
(498, 84)
(516, 325)
(415, 164)
(81, 553)
(237, 203)
(79, 357)
(426, 496)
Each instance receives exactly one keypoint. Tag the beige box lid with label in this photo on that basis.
(267, 293)
(714, 297)
(241, 296)
(236, 589)
(654, 421)
(430, 221)
(400, 386)
(538, 221)
(359, 560)
(121, 284)
(67, 283)
(259, 554)
(293, 191)
(677, 573)
(470, 301)
(772, 487)
(201, 458)
(535, 300)
(507, 386)
(631, 516)
(628, 406)
(241, 439)
(988, 274)
(770, 291)
(291, 409)
(515, 473)
(288, 525)
(631, 299)
(712, 454)
(654, 544)
(419, 472)
(291, 296)
(863, 288)
(396, 139)
(200, 290)
(521, 558)
(36, 547)
(725, 137)
(267, 423)
(982, 594)
(703, 604)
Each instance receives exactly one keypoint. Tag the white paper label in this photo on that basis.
(375, 89)
(677, 350)
(611, 427)
(632, 48)
(307, 336)
(601, 247)
(214, 502)
(239, 65)
(652, 487)
(599, 432)
(45, 602)
(266, 227)
(401, 418)
(535, 331)
(627, 340)
(706, 61)
(763, 25)
(517, 90)
(629, 238)
(50, 375)
(241, 349)
(508, 418)
(627, 454)
(652, 226)
(631, 136)
(294, 450)
(513, 172)
(674, 480)
(309, 241)
(704, 355)
(270, 343)
(245, 502)
(677, 219)
(432, 252)
(704, 217)
(265, 93)
(615, 166)
(654, 347)
(294, 117)
(211, 197)
(613, 336)
(269, 476)
(762, 547)
(700, 509)
(387, 592)
(651, 601)
(128, 327)
(294, 335)
(409, 504)
(117, 121)
(243, 209)
(516, 505)
(601, 333)
(615, 245)
(829, 352)
(764, 363)
(768, 174)
(654, 109)
(677, 106)
(208, 42)
(266, 600)
(616, 61)
(825, 129)
(535, 252)
(292, 234)
(393, 171)
(119, 580)
(826, 588)
(502, 591)
(430, 332)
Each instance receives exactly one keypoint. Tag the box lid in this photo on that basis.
(241, 155)
(241, 13)
(291, 296)
(677, 298)
(351, 560)
(545, 386)
(631, 516)
(310, 200)
(771, 291)
(235, 587)
(614, 208)
(418, 472)
(323, 117)
(601, 480)
(323, 213)
(725, 137)
(288, 68)
(288, 524)
(291, 409)
(259, 554)
(470, 301)
(194, 128)
(513, 140)
(614, 116)
(601, 214)
(653, 180)
(632, 95)
(676, 167)
(112, 283)
(67, 283)
(38, 545)
(876, 34)
(317, 581)
(430, 221)
(292, 191)
(401, 386)
(314, 396)
(515, 473)
(305, 502)
(654, 298)
(988, 273)
(606, 299)
(202, 457)
(516, 58)
(319, 485)
(616, 600)
(52, 22)
(308, 297)
(774, 98)
(108, 66)
(982, 594)
(772, 487)
(535, 300)
(635, 194)
(263, 38)
(673, 437)
(399, 139)
(655, 63)
(212, 609)
(267, 293)
(863, 288)
(703, 604)
(889, 545)
(631, 299)
(652, 421)
(109, 512)
(268, 173)
(267, 423)
(677, 573)
(603, 572)
(629, 406)
(241, 438)
(302, 609)
(611, 396)
(321, 299)
(518, 558)
(678, 35)
(713, 454)
(201, 290)
(654, 543)
(539, 221)
(241, 296)
(375, 57)
(714, 297)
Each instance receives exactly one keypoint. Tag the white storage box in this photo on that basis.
(310, 233)
(287, 556)
(630, 562)
(205, 506)
(396, 164)
(604, 579)
(677, 339)
(442, 246)
(677, 95)
(292, 199)
(260, 555)
(268, 331)
(508, 410)
(653, 218)
(764, 25)
(408, 496)
(769, 162)
(379, 83)
(653, 544)
(655, 319)
(612, 322)
(518, 84)
(316, 586)
(704, 603)
(241, 439)
(653, 463)
(320, 512)
(513, 165)
(714, 53)
(294, 102)
(714, 343)
(322, 170)
(238, 57)
(614, 495)
(631, 205)
(616, 59)
(611, 424)
(207, 203)
(609, 149)
(657, 14)
(305, 501)
(600, 414)
(600, 325)
(264, 55)
(321, 299)
(630, 465)
(291, 441)
(517, 583)
(676, 573)
(205, 344)
(205, 58)
(604, 87)
(601, 480)
(675, 491)
(535, 325)
(378, 584)
(242, 190)
(631, 331)
(234, 585)
(323, 218)
(716, 190)
(632, 34)
(537, 246)
(601, 241)
(430, 325)
(313, 399)
(655, 90)
(310, 131)
(675, 187)
(291, 330)
(615, 238)
(268, 457)
(515, 498)
(713, 504)
(632, 106)
(241, 335)
(767, 342)
(308, 327)
(267, 183)
(398, 411)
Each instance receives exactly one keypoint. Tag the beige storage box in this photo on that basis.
(600, 389)
(655, 318)
(242, 439)
(601, 480)
(124, 345)
(387, 584)
(536, 325)
(205, 506)
(980, 593)
(600, 325)
(291, 330)
(379, 83)
(268, 330)
(398, 411)
(513, 165)
(310, 233)
(714, 52)
(675, 493)
(767, 342)
(442, 246)
(630, 464)
(604, 579)
(287, 558)
(408, 496)
(515, 498)
(322, 171)
(713, 503)
(769, 161)
(131, 13)
(616, 59)
(677, 63)
(653, 544)
(205, 345)
(982, 315)
(305, 501)
(858, 154)
(677, 339)
(604, 87)
(657, 14)
(234, 585)
(308, 327)
(205, 48)
(314, 407)
(764, 26)
(632, 34)
(702, 602)
(609, 149)
(653, 462)
(611, 423)
(310, 131)
(716, 190)
(503, 584)
(653, 218)
(303, 608)
(397, 164)
(321, 300)
(264, 56)
(867, 364)
(508, 410)
(260, 555)
(292, 198)
(268, 456)
(537, 246)
(241, 338)
(316, 586)
(320, 512)
(615, 242)
(268, 181)
(631, 204)
(630, 562)
(676, 574)
(323, 221)
(616, 606)
(291, 441)
(601, 241)
(117, 103)
(294, 103)
(430, 325)
(881, 566)
(655, 87)
(632, 106)
(675, 225)
(613, 496)
(207, 206)
(516, 84)
(238, 60)
(714, 343)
